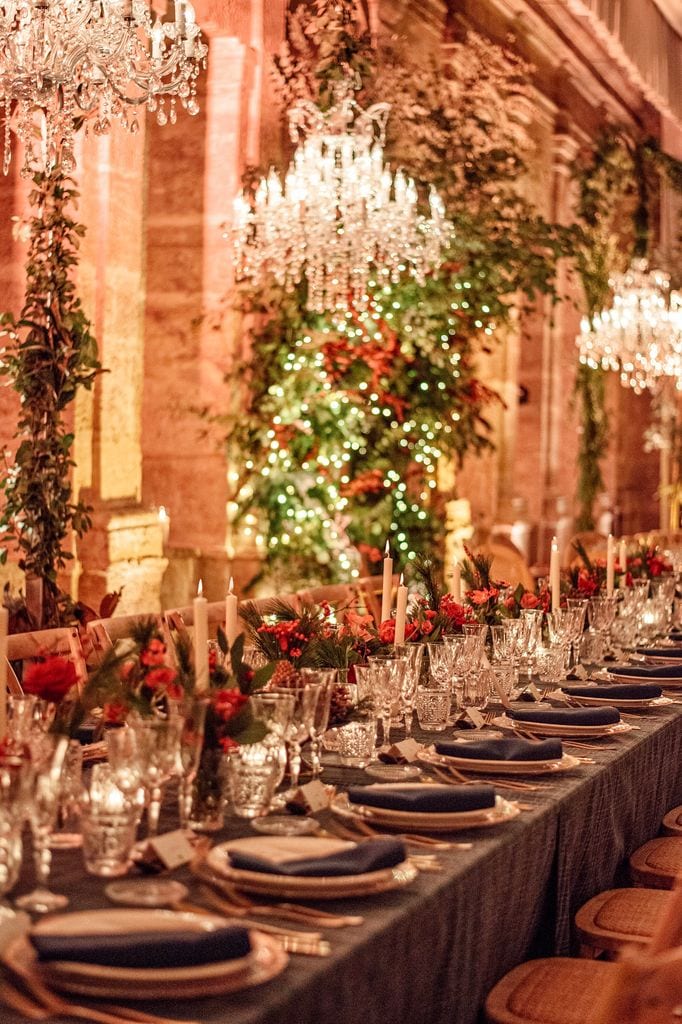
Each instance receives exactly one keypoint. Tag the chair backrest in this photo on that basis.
(103, 634)
(369, 590)
(339, 596)
(593, 542)
(646, 985)
(508, 564)
(63, 640)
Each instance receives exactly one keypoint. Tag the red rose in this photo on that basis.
(387, 631)
(115, 712)
(154, 654)
(50, 679)
(160, 678)
(229, 703)
(530, 600)
(427, 627)
(478, 596)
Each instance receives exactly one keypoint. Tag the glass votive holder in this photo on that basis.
(550, 663)
(433, 708)
(355, 742)
(253, 771)
(591, 648)
(108, 823)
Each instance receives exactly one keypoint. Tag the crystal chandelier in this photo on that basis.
(62, 61)
(341, 219)
(640, 336)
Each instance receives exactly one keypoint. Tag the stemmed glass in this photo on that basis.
(298, 729)
(602, 612)
(323, 680)
(189, 753)
(276, 710)
(413, 655)
(392, 688)
(16, 781)
(374, 680)
(159, 741)
(126, 758)
(42, 812)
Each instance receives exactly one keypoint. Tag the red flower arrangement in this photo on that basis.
(50, 679)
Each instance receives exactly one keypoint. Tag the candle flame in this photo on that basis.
(163, 514)
(230, 588)
(387, 550)
(200, 588)
(402, 583)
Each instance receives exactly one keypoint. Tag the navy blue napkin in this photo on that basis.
(503, 750)
(624, 691)
(648, 671)
(660, 652)
(424, 799)
(146, 949)
(372, 855)
(567, 716)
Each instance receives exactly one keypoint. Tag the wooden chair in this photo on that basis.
(64, 641)
(593, 542)
(618, 918)
(658, 864)
(340, 597)
(508, 564)
(562, 990)
(672, 822)
(104, 634)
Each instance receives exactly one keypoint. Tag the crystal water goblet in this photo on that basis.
(414, 656)
(192, 732)
(324, 680)
(42, 812)
(298, 729)
(276, 710)
(602, 612)
(159, 740)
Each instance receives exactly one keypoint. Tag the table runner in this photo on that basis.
(429, 954)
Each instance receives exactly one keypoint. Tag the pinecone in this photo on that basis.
(285, 674)
(340, 706)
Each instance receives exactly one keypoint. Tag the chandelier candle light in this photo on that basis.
(341, 219)
(640, 336)
(62, 61)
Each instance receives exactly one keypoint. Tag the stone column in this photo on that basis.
(125, 546)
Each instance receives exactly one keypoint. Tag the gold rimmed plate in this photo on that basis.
(551, 767)
(265, 960)
(405, 821)
(329, 887)
(564, 728)
(620, 702)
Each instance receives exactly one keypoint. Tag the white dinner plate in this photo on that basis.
(504, 810)
(564, 728)
(303, 886)
(264, 961)
(550, 767)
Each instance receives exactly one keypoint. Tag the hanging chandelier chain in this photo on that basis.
(104, 59)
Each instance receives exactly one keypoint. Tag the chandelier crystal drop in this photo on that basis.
(341, 218)
(640, 336)
(62, 61)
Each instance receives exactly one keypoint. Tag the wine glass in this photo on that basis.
(16, 781)
(298, 729)
(159, 739)
(324, 680)
(42, 812)
(413, 655)
(193, 723)
(275, 709)
(390, 688)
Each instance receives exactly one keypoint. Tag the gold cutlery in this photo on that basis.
(450, 775)
(244, 907)
(222, 905)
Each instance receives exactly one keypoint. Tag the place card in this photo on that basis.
(173, 849)
(309, 799)
(404, 752)
(534, 692)
(474, 716)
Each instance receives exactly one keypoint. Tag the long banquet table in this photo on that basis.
(428, 954)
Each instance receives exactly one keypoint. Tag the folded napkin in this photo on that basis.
(424, 799)
(648, 671)
(624, 691)
(146, 949)
(372, 855)
(503, 750)
(660, 652)
(567, 716)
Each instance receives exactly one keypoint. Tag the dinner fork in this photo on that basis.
(450, 774)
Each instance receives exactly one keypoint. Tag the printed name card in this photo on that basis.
(173, 849)
(404, 752)
(312, 797)
(475, 717)
(534, 692)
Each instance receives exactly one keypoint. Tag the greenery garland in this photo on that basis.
(344, 423)
(49, 355)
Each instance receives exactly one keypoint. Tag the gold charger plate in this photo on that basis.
(622, 703)
(670, 682)
(564, 729)
(455, 821)
(564, 764)
(265, 960)
(329, 887)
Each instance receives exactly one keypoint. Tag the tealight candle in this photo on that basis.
(387, 588)
(231, 614)
(401, 613)
(200, 606)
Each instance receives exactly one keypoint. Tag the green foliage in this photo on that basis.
(344, 420)
(49, 355)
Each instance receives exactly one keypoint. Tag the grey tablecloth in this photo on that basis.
(430, 953)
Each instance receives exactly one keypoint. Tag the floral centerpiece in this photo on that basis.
(53, 678)
(491, 601)
(647, 563)
(588, 579)
(430, 615)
